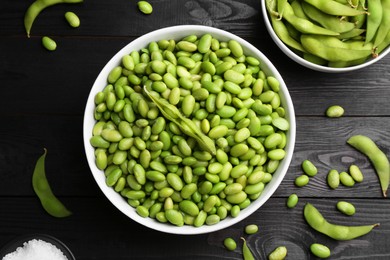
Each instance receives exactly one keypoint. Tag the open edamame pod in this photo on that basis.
(377, 157)
(41, 186)
(37, 7)
(338, 232)
(171, 113)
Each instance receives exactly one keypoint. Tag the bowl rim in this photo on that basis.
(177, 32)
(287, 51)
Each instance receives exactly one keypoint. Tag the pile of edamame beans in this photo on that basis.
(334, 33)
(190, 131)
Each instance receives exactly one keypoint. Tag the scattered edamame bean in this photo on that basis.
(292, 200)
(49, 43)
(230, 244)
(333, 179)
(346, 179)
(251, 229)
(378, 158)
(145, 7)
(338, 232)
(334, 111)
(320, 250)
(72, 19)
(309, 168)
(41, 186)
(346, 208)
(302, 180)
(356, 173)
(279, 253)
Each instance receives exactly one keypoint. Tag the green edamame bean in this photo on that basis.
(251, 229)
(378, 158)
(42, 189)
(302, 180)
(174, 217)
(334, 111)
(292, 200)
(278, 253)
(356, 173)
(72, 19)
(320, 250)
(230, 244)
(49, 43)
(145, 7)
(333, 179)
(346, 179)
(346, 207)
(338, 232)
(309, 168)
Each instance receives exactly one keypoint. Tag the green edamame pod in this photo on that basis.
(246, 252)
(42, 189)
(334, 8)
(374, 19)
(338, 232)
(328, 21)
(304, 25)
(332, 49)
(378, 158)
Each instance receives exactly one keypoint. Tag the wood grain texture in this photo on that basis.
(319, 139)
(104, 233)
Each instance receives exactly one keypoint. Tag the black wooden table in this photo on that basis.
(42, 100)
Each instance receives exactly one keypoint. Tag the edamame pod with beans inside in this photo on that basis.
(378, 158)
(179, 131)
(311, 28)
(338, 232)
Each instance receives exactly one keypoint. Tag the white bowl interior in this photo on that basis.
(306, 63)
(178, 32)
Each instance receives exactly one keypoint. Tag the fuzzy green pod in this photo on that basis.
(42, 189)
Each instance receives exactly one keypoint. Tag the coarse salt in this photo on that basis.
(36, 249)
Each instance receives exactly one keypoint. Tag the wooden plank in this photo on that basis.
(104, 233)
(102, 18)
(63, 88)
(321, 140)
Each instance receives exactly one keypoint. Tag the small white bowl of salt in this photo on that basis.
(36, 247)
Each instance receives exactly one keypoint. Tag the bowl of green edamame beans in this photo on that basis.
(329, 36)
(189, 129)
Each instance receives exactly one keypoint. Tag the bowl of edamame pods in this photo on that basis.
(189, 129)
(330, 36)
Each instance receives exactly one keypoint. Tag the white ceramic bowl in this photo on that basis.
(292, 55)
(178, 32)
